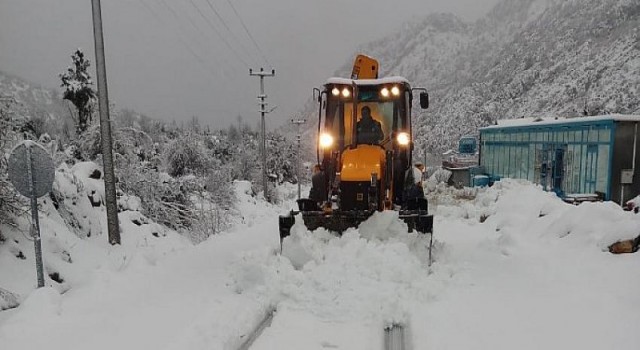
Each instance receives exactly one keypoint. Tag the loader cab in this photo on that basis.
(365, 137)
(387, 101)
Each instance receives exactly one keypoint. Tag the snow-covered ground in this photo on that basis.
(515, 268)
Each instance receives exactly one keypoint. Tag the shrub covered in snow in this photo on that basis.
(9, 200)
(186, 155)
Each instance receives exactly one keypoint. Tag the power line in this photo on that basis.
(234, 37)
(183, 42)
(218, 15)
(249, 33)
(199, 30)
(170, 9)
(191, 21)
(218, 33)
(207, 38)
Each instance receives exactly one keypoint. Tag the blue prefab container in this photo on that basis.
(575, 156)
(467, 145)
(481, 181)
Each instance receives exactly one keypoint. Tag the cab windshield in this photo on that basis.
(375, 123)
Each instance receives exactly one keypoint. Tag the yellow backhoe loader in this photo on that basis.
(364, 153)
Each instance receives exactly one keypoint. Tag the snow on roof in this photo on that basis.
(506, 123)
(387, 80)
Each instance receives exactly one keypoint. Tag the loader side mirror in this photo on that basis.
(424, 100)
(316, 94)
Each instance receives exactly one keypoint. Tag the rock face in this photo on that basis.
(524, 58)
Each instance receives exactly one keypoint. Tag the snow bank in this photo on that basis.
(377, 275)
(518, 206)
(73, 231)
(515, 267)
(327, 276)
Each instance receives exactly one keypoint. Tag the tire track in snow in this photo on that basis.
(257, 332)
(394, 338)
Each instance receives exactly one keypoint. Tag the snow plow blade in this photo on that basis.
(416, 216)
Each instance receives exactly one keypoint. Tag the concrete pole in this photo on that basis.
(35, 223)
(263, 132)
(298, 123)
(263, 105)
(105, 127)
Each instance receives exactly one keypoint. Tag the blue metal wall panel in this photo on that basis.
(503, 153)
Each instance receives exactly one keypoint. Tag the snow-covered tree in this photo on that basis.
(76, 82)
(9, 200)
(186, 155)
(281, 158)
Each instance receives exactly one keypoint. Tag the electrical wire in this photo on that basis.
(157, 17)
(234, 37)
(191, 21)
(224, 40)
(183, 42)
(249, 33)
(223, 62)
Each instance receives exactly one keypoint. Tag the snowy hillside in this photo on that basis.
(31, 100)
(514, 267)
(525, 58)
(73, 227)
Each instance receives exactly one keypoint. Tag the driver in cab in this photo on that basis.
(369, 130)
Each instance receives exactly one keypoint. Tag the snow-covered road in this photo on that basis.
(533, 275)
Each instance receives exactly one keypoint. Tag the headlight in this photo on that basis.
(403, 139)
(335, 91)
(346, 92)
(326, 140)
(395, 91)
(384, 92)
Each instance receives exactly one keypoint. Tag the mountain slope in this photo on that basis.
(31, 99)
(525, 58)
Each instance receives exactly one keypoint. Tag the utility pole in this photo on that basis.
(298, 123)
(105, 127)
(425, 155)
(263, 105)
(587, 85)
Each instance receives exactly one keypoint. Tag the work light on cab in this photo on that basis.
(403, 139)
(326, 140)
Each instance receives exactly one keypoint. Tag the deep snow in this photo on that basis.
(534, 274)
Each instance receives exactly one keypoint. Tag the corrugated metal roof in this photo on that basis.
(529, 122)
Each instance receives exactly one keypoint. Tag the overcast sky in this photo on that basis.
(167, 60)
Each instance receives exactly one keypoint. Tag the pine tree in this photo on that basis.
(76, 82)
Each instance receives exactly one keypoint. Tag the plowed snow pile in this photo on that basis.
(534, 274)
(515, 268)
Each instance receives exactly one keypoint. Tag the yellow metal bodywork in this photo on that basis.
(364, 67)
(358, 164)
